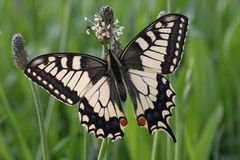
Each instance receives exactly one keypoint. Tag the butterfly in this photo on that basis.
(100, 86)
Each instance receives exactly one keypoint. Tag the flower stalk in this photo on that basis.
(21, 59)
(107, 31)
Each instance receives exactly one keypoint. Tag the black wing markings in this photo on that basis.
(72, 78)
(101, 112)
(153, 99)
(158, 47)
(67, 76)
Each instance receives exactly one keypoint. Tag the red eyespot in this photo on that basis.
(141, 121)
(123, 121)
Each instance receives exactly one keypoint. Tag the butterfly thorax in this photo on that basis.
(116, 70)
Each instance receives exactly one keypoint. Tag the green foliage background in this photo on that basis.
(205, 121)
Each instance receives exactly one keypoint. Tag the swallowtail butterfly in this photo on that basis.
(100, 86)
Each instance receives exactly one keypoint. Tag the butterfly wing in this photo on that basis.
(67, 76)
(78, 77)
(159, 47)
(101, 112)
(153, 98)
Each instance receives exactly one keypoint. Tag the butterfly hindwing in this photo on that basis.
(67, 76)
(159, 47)
(101, 112)
(153, 98)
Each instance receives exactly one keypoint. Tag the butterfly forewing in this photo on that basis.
(67, 76)
(153, 98)
(159, 47)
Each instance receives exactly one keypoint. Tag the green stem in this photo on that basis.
(168, 6)
(103, 51)
(46, 123)
(168, 149)
(154, 148)
(66, 22)
(84, 145)
(40, 122)
(103, 149)
(178, 131)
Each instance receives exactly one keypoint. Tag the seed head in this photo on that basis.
(20, 55)
(105, 26)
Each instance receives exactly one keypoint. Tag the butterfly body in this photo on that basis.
(101, 86)
(118, 70)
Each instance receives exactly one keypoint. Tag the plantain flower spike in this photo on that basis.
(105, 26)
(20, 55)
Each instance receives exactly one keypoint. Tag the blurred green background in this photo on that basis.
(205, 121)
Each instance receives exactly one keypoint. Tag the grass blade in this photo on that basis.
(4, 152)
(25, 152)
(154, 148)
(40, 122)
(103, 149)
